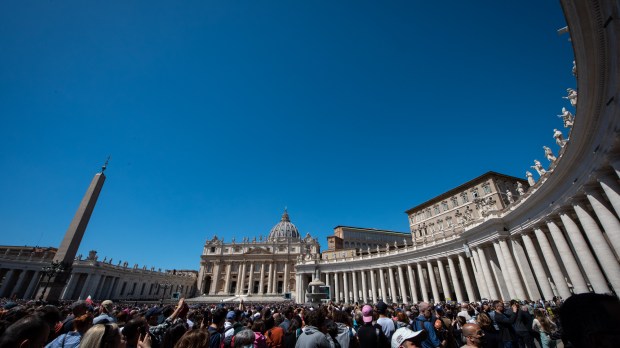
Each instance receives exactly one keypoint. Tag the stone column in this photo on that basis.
(251, 279)
(479, 274)
(445, 286)
(270, 279)
(487, 273)
(392, 284)
(21, 279)
(612, 191)
(431, 277)
(422, 283)
(227, 279)
(286, 276)
(412, 283)
(585, 257)
(33, 285)
(364, 287)
(261, 281)
(602, 250)
(373, 286)
(403, 284)
(356, 294)
(86, 286)
(336, 287)
(382, 283)
(274, 286)
(539, 270)
(68, 290)
(523, 265)
(455, 280)
(606, 217)
(566, 254)
(8, 279)
(345, 282)
(552, 263)
(512, 269)
(240, 279)
(505, 274)
(471, 295)
(215, 278)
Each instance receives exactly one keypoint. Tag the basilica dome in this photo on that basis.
(284, 229)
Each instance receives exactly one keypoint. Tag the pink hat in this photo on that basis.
(367, 313)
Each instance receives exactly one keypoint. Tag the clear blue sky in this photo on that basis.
(217, 115)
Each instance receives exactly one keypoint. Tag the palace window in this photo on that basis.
(436, 209)
(455, 202)
(449, 221)
(444, 204)
(464, 197)
(487, 188)
(474, 192)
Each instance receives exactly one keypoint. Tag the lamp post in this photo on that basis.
(50, 271)
(165, 286)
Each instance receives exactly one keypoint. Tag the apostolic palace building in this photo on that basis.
(553, 232)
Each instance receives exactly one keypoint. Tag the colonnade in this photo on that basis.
(573, 249)
(250, 278)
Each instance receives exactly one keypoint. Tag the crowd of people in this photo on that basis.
(584, 320)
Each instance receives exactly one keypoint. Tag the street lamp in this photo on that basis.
(50, 271)
(165, 286)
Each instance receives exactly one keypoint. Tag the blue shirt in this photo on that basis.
(69, 340)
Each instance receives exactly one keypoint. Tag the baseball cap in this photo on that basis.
(367, 313)
(381, 307)
(403, 334)
(230, 315)
(108, 305)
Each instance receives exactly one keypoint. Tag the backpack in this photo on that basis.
(228, 339)
(215, 339)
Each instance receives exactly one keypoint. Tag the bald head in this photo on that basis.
(470, 329)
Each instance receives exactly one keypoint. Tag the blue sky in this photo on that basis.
(217, 115)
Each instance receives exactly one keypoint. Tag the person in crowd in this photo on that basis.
(215, 329)
(423, 322)
(102, 336)
(491, 335)
(345, 328)
(523, 328)
(133, 330)
(259, 339)
(590, 320)
(387, 324)
(194, 339)
(244, 339)
(106, 313)
(293, 332)
(407, 338)
(29, 331)
(370, 335)
(78, 308)
(401, 320)
(505, 321)
(474, 335)
(312, 336)
(544, 327)
(72, 339)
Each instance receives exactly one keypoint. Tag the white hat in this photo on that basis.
(403, 334)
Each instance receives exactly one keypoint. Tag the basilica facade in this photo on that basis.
(263, 268)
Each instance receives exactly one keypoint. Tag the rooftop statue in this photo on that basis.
(549, 154)
(509, 197)
(567, 117)
(539, 168)
(572, 97)
(574, 69)
(520, 188)
(530, 178)
(559, 138)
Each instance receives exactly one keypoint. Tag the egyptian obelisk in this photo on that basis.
(73, 237)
